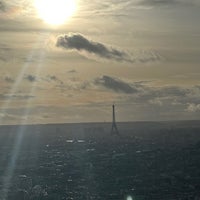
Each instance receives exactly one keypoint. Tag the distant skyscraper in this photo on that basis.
(114, 129)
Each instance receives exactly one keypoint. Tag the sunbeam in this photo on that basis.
(22, 129)
(21, 74)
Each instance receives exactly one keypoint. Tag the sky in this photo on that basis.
(141, 55)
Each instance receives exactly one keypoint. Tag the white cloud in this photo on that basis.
(193, 107)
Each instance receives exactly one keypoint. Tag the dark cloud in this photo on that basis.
(9, 79)
(76, 41)
(72, 71)
(2, 6)
(16, 96)
(115, 84)
(55, 79)
(31, 78)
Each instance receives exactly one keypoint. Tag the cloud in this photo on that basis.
(165, 95)
(9, 79)
(172, 91)
(30, 78)
(193, 107)
(13, 8)
(147, 56)
(167, 98)
(141, 100)
(77, 41)
(167, 2)
(142, 93)
(157, 2)
(5, 52)
(6, 116)
(49, 78)
(2, 6)
(126, 7)
(139, 91)
(16, 96)
(72, 71)
(3, 59)
(164, 98)
(55, 79)
(115, 84)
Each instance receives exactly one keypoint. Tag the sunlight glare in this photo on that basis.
(129, 197)
(55, 12)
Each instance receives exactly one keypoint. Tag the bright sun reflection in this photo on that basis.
(55, 12)
(129, 197)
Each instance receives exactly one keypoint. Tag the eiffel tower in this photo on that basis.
(114, 129)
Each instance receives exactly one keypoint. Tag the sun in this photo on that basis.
(55, 12)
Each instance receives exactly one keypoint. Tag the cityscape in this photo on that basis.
(146, 160)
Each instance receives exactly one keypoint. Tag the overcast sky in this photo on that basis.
(142, 55)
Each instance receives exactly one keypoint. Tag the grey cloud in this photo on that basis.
(76, 41)
(139, 91)
(70, 83)
(163, 95)
(157, 2)
(9, 79)
(167, 2)
(148, 56)
(73, 84)
(142, 92)
(2, 6)
(172, 91)
(186, 98)
(125, 7)
(51, 79)
(19, 6)
(108, 7)
(72, 71)
(25, 96)
(5, 52)
(31, 78)
(16, 96)
(168, 97)
(115, 84)
(55, 79)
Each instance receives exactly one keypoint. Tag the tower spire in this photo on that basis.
(114, 129)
